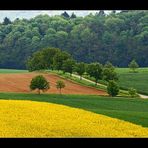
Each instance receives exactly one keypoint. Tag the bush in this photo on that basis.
(40, 83)
(133, 65)
(112, 88)
(132, 92)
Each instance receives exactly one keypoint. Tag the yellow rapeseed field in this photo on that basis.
(39, 119)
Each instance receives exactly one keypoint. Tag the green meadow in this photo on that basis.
(10, 71)
(137, 80)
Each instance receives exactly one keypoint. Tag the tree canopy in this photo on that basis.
(116, 37)
(39, 82)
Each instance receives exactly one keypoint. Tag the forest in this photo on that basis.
(115, 37)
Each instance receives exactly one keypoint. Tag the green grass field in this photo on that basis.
(2, 71)
(128, 79)
(138, 80)
(132, 110)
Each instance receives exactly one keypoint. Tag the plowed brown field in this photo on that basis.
(21, 82)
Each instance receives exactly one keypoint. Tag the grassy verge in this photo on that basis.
(10, 71)
(74, 79)
(128, 109)
(86, 83)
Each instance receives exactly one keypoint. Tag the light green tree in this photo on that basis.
(133, 65)
(59, 85)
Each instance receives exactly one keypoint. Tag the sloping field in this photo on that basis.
(21, 82)
(136, 80)
(36, 119)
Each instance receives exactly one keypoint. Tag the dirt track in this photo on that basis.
(20, 83)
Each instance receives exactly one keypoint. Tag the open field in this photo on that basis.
(36, 119)
(137, 80)
(127, 79)
(4, 71)
(132, 110)
(20, 83)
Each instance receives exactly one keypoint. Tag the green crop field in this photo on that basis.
(132, 110)
(138, 80)
(2, 71)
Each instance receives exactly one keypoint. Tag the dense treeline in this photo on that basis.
(56, 59)
(117, 37)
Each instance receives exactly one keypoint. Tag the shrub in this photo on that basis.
(133, 65)
(40, 83)
(112, 88)
(132, 92)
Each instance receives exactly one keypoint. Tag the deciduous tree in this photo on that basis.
(40, 83)
(59, 85)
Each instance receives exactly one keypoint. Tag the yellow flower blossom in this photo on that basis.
(40, 119)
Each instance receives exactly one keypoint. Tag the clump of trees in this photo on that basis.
(95, 70)
(109, 72)
(68, 66)
(59, 58)
(47, 58)
(40, 83)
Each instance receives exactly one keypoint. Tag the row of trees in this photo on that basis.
(116, 37)
(54, 58)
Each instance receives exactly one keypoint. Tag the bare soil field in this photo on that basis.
(20, 83)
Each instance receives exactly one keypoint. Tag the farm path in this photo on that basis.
(143, 96)
(74, 75)
(88, 80)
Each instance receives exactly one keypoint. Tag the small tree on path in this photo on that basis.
(95, 70)
(80, 69)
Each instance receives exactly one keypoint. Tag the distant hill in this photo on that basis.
(117, 37)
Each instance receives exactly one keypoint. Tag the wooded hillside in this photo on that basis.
(117, 37)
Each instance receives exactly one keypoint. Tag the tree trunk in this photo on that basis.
(96, 82)
(60, 91)
(39, 91)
